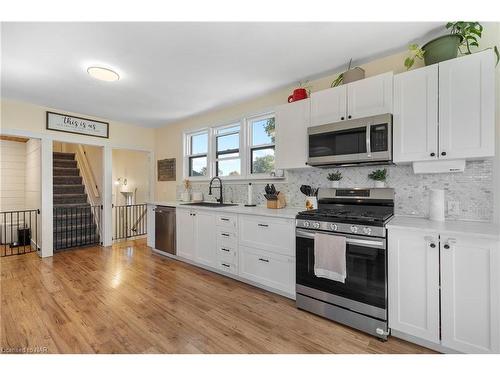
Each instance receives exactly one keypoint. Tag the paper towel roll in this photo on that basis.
(436, 202)
(250, 194)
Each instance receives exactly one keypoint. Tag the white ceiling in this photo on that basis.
(170, 71)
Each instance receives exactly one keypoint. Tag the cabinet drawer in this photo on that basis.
(224, 234)
(277, 235)
(266, 268)
(227, 251)
(227, 267)
(227, 221)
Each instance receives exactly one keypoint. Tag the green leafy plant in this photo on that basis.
(378, 175)
(340, 78)
(334, 176)
(415, 53)
(303, 85)
(471, 33)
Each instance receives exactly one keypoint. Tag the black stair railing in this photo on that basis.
(129, 221)
(19, 232)
(77, 226)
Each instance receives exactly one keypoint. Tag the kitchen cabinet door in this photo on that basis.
(184, 232)
(413, 283)
(470, 293)
(467, 106)
(292, 120)
(370, 96)
(415, 116)
(205, 238)
(328, 105)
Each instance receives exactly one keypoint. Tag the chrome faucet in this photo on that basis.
(220, 200)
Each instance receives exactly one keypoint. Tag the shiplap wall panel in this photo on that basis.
(12, 175)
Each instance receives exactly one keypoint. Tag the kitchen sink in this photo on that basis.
(209, 204)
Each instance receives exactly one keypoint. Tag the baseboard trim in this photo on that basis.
(428, 344)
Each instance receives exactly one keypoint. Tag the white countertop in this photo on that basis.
(453, 227)
(285, 213)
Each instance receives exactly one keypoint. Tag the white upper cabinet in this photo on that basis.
(467, 106)
(415, 116)
(370, 96)
(292, 121)
(446, 111)
(470, 293)
(329, 105)
(413, 278)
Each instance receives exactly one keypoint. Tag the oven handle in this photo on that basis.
(368, 139)
(355, 241)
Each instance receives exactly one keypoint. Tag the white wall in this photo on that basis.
(12, 175)
(134, 166)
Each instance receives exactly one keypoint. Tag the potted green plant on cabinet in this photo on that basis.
(379, 176)
(334, 179)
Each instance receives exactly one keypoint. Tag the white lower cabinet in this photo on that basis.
(267, 268)
(185, 233)
(470, 292)
(204, 238)
(413, 274)
(267, 233)
(465, 315)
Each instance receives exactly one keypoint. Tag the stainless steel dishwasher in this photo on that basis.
(165, 237)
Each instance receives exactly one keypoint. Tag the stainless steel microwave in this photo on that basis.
(365, 140)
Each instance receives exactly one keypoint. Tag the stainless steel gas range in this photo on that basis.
(360, 216)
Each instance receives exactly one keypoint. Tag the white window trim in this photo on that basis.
(249, 121)
(244, 151)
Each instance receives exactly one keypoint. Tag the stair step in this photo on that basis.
(64, 163)
(75, 228)
(58, 171)
(63, 155)
(67, 180)
(70, 198)
(73, 242)
(68, 189)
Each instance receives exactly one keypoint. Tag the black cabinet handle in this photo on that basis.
(342, 118)
(226, 265)
(225, 234)
(224, 219)
(433, 154)
(264, 260)
(443, 153)
(446, 246)
(433, 245)
(263, 225)
(349, 116)
(224, 249)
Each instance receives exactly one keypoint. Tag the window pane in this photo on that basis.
(228, 155)
(263, 131)
(229, 167)
(228, 142)
(232, 129)
(263, 160)
(198, 166)
(199, 144)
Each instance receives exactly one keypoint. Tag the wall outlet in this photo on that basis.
(453, 208)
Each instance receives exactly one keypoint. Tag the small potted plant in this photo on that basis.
(186, 195)
(334, 178)
(350, 75)
(379, 176)
(300, 93)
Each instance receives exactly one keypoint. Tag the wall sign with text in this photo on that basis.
(77, 125)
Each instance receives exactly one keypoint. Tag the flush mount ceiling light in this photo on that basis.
(103, 74)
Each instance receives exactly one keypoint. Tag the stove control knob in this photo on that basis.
(354, 229)
(367, 230)
(334, 227)
(316, 225)
(306, 224)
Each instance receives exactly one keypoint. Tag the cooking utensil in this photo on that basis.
(303, 189)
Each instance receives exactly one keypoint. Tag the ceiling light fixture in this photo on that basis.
(103, 74)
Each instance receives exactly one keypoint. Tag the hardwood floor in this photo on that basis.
(125, 299)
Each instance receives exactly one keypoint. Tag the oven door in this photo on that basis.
(365, 287)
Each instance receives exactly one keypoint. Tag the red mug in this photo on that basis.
(298, 94)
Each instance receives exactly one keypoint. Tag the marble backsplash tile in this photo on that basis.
(472, 189)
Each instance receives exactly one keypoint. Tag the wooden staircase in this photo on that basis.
(74, 218)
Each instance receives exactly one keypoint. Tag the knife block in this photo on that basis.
(277, 203)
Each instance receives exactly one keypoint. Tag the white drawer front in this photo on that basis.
(266, 268)
(227, 267)
(227, 251)
(227, 221)
(224, 234)
(277, 235)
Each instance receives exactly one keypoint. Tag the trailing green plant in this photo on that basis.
(470, 33)
(378, 175)
(415, 53)
(334, 176)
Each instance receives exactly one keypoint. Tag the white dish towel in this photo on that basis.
(329, 257)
